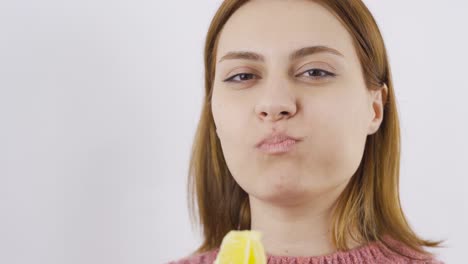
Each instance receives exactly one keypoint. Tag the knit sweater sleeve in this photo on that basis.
(373, 252)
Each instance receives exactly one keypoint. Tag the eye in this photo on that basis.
(241, 77)
(317, 74)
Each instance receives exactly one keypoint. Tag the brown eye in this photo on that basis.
(318, 73)
(240, 77)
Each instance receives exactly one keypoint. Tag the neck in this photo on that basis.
(300, 229)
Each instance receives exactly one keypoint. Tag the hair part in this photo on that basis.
(367, 210)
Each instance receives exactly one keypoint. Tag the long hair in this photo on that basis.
(369, 202)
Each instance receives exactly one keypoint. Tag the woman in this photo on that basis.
(299, 136)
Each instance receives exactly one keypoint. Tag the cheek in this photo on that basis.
(336, 134)
(230, 119)
(235, 128)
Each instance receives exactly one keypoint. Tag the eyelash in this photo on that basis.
(325, 73)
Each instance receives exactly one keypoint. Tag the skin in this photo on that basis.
(292, 194)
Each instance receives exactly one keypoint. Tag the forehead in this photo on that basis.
(275, 27)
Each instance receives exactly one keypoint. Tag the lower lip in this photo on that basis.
(278, 148)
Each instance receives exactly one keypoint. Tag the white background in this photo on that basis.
(99, 101)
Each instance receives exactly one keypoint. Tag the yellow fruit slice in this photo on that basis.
(241, 247)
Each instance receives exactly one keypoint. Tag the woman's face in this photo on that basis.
(316, 95)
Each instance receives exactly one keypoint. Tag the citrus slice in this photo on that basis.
(241, 247)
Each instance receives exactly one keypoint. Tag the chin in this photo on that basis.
(290, 199)
(283, 193)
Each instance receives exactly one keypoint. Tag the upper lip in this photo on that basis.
(276, 137)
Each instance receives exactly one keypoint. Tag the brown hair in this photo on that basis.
(370, 201)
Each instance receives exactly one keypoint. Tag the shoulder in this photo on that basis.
(405, 254)
(200, 258)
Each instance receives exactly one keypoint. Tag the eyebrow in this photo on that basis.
(247, 55)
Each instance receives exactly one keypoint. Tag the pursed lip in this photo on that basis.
(276, 138)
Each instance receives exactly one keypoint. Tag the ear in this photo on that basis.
(378, 98)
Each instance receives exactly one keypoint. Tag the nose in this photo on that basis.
(275, 104)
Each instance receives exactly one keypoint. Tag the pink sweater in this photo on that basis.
(374, 252)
